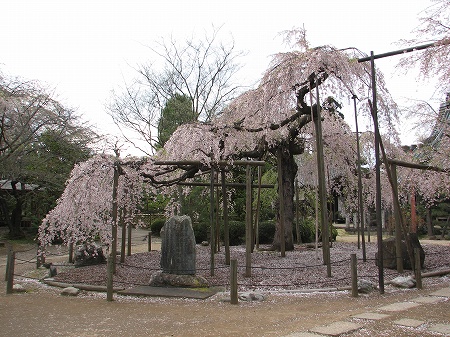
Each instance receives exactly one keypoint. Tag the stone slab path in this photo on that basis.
(360, 321)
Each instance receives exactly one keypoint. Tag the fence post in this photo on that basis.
(10, 275)
(417, 269)
(7, 262)
(109, 282)
(233, 282)
(354, 275)
(150, 241)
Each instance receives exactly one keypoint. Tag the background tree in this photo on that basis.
(201, 70)
(178, 111)
(40, 141)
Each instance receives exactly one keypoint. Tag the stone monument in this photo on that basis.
(178, 255)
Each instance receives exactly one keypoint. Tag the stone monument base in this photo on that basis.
(161, 279)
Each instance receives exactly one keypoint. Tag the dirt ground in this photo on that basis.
(42, 311)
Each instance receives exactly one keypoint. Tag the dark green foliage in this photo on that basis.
(266, 232)
(201, 231)
(237, 232)
(178, 111)
(156, 226)
(307, 230)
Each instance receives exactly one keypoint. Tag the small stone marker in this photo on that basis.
(178, 246)
(250, 297)
(18, 288)
(70, 291)
(404, 282)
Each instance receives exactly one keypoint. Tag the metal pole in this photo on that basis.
(360, 225)
(378, 180)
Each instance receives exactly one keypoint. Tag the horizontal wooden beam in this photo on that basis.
(221, 162)
(195, 183)
(416, 166)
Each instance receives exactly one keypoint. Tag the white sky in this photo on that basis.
(84, 48)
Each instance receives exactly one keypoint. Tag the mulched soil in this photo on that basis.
(299, 269)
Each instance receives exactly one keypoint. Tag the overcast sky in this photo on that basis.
(85, 48)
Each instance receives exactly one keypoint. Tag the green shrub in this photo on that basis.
(237, 232)
(307, 230)
(201, 231)
(156, 226)
(266, 232)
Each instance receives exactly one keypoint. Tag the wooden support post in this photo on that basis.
(211, 222)
(297, 213)
(129, 227)
(110, 273)
(124, 238)
(10, 278)
(248, 223)
(233, 282)
(281, 203)
(8, 262)
(258, 206)
(149, 241)
(354, 275)
(397, 217)
(418, 268)
(114, 215)
(71, 252)
(226, 231)
(322, 187)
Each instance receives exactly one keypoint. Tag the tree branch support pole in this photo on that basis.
(258, 206)
(354, 271)
(10, 272)
(129, 239)
(322, 187)
(211, 221)
(226, 230)
(418, 268)
(297, 213)
(233, 282)
(124, 237)
(397, 217)
(110, 273)
(114, 215)
(360, 224)
(149, 241)
(281, 202)
(377, 179)
(71, 252)
(248, 221)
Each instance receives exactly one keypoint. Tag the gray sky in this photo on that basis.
(84, 48)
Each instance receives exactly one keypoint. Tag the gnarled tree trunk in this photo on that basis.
(288, 173)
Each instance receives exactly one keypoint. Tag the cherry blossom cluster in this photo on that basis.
(84, 210)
